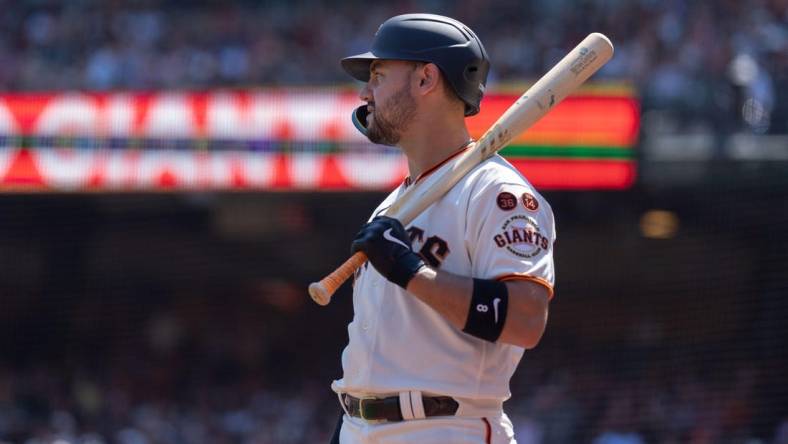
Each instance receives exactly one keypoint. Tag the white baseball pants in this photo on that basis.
(440, 430)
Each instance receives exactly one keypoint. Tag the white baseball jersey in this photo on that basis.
(490, 225)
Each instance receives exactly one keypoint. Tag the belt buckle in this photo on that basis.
(361, 407)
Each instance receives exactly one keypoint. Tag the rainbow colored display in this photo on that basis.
(275, 139)
(587, 141)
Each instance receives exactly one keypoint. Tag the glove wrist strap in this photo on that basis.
(406, 268)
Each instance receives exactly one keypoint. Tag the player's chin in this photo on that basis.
(374, 136)
(383, 138)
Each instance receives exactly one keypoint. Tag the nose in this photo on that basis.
(365, 94)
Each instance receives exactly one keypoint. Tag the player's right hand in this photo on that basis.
(388, 248)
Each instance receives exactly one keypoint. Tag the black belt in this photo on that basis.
(376, 409)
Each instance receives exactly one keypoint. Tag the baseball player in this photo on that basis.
(445, 307)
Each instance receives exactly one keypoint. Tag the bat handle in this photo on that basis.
(321, 291)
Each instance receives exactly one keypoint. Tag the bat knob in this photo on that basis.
(319, 293)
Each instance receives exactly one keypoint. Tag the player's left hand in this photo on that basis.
(387, 246)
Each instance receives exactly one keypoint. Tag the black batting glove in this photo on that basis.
(387, 246)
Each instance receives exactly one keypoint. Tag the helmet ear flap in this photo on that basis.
(359, 118)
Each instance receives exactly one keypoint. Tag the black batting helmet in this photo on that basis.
(430, 38)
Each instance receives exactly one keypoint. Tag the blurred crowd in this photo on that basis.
(196, 369)
(150, 398)
(146, 368)
(720, 64)
(653, 403)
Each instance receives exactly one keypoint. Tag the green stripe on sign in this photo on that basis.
(594, 152)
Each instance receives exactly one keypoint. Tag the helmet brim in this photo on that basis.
(358, 65)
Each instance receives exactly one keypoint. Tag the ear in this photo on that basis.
(427, 78)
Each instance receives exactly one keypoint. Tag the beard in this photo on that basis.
(390, 120)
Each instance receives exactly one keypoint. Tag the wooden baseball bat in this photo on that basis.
(563, 78)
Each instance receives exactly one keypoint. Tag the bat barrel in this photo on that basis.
(563, 78)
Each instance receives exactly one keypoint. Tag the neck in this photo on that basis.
(429, 144)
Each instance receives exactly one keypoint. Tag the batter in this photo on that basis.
(444, 308)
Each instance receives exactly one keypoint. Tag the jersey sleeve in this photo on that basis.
(510, 234)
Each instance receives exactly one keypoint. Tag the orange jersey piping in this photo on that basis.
(525, 277)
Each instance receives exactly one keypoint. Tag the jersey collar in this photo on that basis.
(410, 181)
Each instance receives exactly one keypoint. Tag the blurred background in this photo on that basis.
(174, 173)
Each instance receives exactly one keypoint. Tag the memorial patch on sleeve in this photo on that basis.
(530, 202)
(506, 201)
